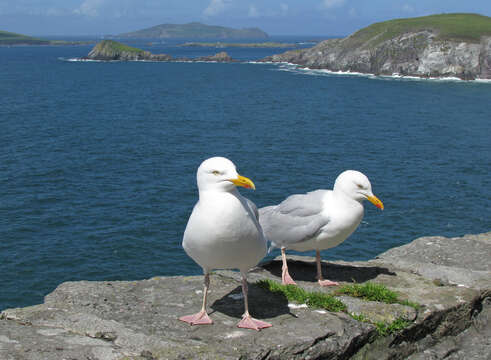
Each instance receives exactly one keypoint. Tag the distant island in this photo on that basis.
(194, 30)
(244, 45)
(11, 39)
(110, 50)
(446, 45)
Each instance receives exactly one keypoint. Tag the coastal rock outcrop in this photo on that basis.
(109, 50)
(387, 49)
(448, 278)
(219, 57)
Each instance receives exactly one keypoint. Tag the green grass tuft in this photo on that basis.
(384, 329)
(319, 300)
(374, 292)
(369, 291)
(316, 300)
(398, 324)
(360, 317)
(410, 304)
(378, 292)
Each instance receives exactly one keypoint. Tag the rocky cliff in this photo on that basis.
(113, 50)
(454, 45)
(109, 50)
(445, 312)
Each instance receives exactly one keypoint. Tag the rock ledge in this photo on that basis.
(449, 277)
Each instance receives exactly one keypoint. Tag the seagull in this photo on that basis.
(318, 220)
(223, 232)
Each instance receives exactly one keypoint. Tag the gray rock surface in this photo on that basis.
(219, 57)
(138, 319)
(462, 261)
(419, 54)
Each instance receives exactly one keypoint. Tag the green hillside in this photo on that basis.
(8, 38)
(459, 27)
(116, 47)
(195, 30)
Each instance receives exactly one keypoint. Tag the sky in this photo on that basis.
(275, 17)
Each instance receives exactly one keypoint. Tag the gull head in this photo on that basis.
(356, 185)
(219, 173)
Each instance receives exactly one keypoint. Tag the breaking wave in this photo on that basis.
(294, 68)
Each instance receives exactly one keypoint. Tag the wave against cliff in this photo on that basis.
(449, 45)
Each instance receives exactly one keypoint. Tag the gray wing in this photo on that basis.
(253, 208)
(298, 218)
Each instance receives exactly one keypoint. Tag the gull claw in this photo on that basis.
(200, 318)
(248, 322)
(328, 283)
(286, 279)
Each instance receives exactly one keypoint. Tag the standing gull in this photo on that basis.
(223, 232)
(318, 220)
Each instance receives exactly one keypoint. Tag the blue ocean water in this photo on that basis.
(98, 160)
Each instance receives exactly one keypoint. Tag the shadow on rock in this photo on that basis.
(262, 303)
(306, 271)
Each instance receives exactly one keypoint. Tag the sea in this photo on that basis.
(98, 159)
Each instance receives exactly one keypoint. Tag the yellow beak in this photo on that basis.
(376, 201)
(243, 181)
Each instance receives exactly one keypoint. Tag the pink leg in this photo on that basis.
(201, 317)
(320, 278)
(248, 322)
(286, 279)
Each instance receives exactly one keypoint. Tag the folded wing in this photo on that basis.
(297, 219)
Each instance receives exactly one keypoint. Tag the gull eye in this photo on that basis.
(360, 186)
(215, 172)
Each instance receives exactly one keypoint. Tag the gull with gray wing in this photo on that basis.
(318, 220)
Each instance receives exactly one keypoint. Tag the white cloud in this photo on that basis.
(253, 12)
(89, 8)
(284, 9)
(329, 4)
(55, 12)
(115, 9)
(407, 8)
(216, 7)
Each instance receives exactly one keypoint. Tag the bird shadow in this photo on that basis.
(262, 303)
(307, 271)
